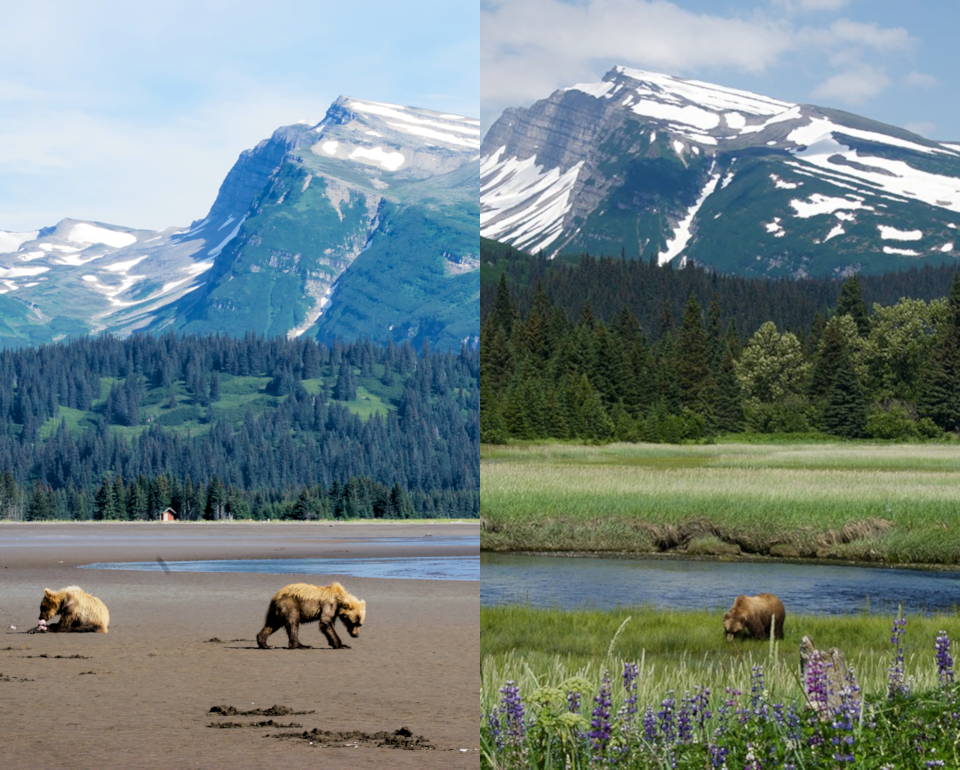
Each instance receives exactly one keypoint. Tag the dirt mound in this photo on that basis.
(855, 530)
(264, 723)
(273, 711)
(5, 678)
(398, 739)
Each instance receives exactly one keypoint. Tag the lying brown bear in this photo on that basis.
(78, 611)
(752, 616)
(303, 603)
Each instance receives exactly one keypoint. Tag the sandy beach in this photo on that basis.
(181, 643)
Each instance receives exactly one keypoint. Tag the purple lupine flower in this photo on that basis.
(665, 714)
(493, 722)
(600, 727)
(630, 673)
(792, 722)
(816, 683)
(779, 714)
(649, 725)
(757, 703)
(700, 706)
(896, 684)
(718, 755)
(511, 707)
(573, 701)
(684, 721)
(850, 701)
(944, 659)
(845, 714)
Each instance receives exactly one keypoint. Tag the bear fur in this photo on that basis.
(78, 610)
(751, 616)
(303, 603)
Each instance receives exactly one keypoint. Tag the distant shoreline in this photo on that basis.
(747, 558)
(70, 544)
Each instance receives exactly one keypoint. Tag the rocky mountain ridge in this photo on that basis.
(662, 168)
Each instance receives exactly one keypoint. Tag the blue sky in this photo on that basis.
(132, 113)
(889, 60)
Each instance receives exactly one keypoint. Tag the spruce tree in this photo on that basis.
(845, 412)
(851, 303)
(939, 396)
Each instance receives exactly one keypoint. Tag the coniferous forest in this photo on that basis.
(218, 427)
(605, 349)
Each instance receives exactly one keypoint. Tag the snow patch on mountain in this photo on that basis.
(441, 127)
(818, 204)
(775, 228)
(524, 201)
(836, 230)
(681, 236)
(10, 241)
(893, 234)
(215, 251)
(780, 184)
(378, 156)
(86, 233)
(20, 272)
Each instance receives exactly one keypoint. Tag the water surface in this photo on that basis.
(405, 568)
(598, 583)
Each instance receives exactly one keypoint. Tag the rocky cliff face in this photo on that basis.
(660, 168)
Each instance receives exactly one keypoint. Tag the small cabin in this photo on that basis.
(168, 514)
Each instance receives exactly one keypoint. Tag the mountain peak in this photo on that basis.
(661, 167)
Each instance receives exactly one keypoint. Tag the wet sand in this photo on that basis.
(181, 643)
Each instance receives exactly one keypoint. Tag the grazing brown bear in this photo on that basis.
(303, 603)
(751, 616)
(78, 611)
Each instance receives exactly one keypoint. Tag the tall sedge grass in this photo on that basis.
(680, 650)
(547, 497)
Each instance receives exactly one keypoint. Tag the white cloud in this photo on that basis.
(532, 46)
(920, 80)
(811, 5)
(870, 35)
(853, 87)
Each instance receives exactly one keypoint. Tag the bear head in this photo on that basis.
(50, 604)
(732, 625)
(352, 615)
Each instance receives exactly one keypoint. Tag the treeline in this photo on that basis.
(553, 370)
(79, 415)
(656, 296)
(145, 499)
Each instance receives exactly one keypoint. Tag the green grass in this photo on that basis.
(238, 396)
(682, 650)
(895, 503)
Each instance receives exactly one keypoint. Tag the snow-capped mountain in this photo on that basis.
(658, 167)
(362, 225)
(366, 225)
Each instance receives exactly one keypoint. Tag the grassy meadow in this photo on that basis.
(679, 651)
(644, 688)
(892, 503)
